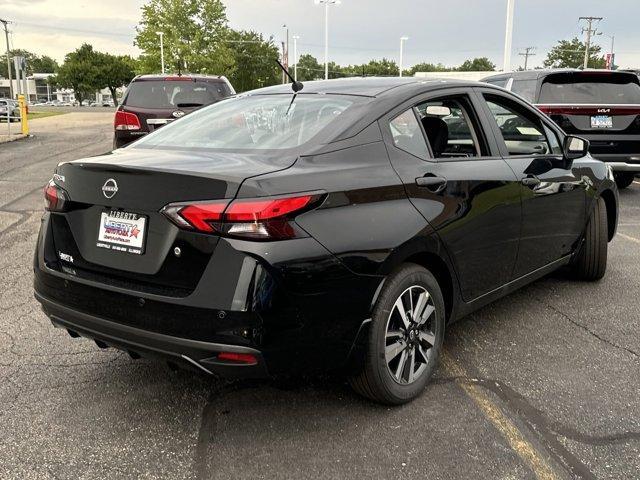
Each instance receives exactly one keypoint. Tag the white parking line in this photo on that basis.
(631, 239)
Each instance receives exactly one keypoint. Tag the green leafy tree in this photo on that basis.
(570, 54)
(80, 72)
(35, 63)
(114, 72)
(254, 59)
(481, 64)
(309, 68)
(382, 68)
(426, 67)
(195, 34)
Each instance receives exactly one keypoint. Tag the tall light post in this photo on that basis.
(508, 35)
(613, 39)
(161, 34)
(402, 40)
(285, 52)
(295, 57)
(326, 31)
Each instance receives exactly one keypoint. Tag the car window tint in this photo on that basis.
(522, 132)
(175, 94)
(525, 88)
(448, 128)
(498, 82)
(407, 134)
(252, 123)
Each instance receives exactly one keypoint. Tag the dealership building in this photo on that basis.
(39, 90)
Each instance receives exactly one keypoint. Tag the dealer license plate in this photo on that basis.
(122, 231)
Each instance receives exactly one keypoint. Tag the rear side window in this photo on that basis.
(525, 88)
(175, 94)
(407, 134)
(590, 88)
(498, 82)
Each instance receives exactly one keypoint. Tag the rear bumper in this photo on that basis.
(143, 343)
(621, 163)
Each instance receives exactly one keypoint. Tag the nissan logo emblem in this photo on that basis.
(110, 188)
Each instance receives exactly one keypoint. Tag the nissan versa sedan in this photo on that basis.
(338, 229)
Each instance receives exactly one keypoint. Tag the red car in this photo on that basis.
(152, 101)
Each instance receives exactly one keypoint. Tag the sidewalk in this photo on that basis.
(11, 138)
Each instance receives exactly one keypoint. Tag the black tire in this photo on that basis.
(375, 380)
(623, 180)
(591, 262)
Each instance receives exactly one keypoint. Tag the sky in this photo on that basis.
(439, 31)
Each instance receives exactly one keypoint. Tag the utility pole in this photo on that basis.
(590, 32)
(295, 57)
(508, 35)
(528, 52)
(6, 35)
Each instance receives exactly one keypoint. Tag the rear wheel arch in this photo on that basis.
(612, 214)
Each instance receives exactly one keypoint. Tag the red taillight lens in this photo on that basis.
(260, 219)
(202, 216)
(238, 357)
(126, 121)
(54, 197)
(257, 210)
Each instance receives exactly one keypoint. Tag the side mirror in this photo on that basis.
(438, 111)
(575, 147)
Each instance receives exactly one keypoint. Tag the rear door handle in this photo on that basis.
(530, 181)
(433, 183)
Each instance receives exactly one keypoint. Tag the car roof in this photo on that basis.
(364, 86)
(552, 71)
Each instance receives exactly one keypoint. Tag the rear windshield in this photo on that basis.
(584, 88)
(175, 94)
(251, 123)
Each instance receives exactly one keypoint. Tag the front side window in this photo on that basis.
(407, 134)
(251, 123)
(522, 132)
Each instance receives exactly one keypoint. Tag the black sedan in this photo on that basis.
(339, 229)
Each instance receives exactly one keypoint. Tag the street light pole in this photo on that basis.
(161, 49)
(295, 57)
(508, 35)
(402, 40)
(326, 32)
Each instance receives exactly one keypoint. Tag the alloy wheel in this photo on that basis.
(410, 335)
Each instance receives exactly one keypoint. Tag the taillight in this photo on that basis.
(238, 357)
(54, 197)
(126, 121)
(260, 218)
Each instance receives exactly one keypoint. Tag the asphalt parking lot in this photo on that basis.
(542, 384)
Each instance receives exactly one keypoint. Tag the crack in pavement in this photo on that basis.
(589, 331)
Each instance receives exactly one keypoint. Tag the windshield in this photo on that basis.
(175, 94)
(251, 123)
(590, 89)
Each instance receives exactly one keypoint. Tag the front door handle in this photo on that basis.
(531, 181)
(433, 183)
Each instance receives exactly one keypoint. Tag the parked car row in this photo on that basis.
(601, 106)
(9, 110)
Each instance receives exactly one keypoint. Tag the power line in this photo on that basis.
(528, 52)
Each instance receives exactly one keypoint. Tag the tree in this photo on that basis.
(195, 34)
(114, 72)
(426, 67)
(254, 59)
(480, 64)
(80, 71)
(35, 63)
(309, 68)
(570, 54)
